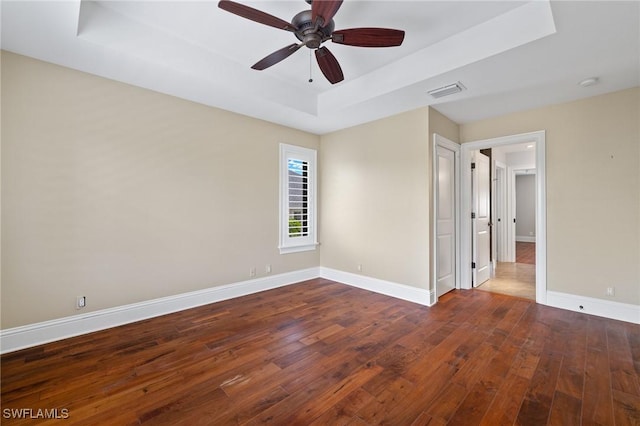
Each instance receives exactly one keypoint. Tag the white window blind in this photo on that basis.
(297, 198)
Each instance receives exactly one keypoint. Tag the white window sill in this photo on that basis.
(296, 249)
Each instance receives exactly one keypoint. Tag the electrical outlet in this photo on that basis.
(267, 268)
(359, 267)
(81, 302)
(252, 271)
(611, 291)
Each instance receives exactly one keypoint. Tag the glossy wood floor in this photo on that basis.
(513, 279)
(322, 353)
(516, 279)
(525, 252)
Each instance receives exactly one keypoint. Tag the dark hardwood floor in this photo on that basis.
(323, 353)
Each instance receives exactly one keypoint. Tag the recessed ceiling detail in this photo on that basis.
(510, 55)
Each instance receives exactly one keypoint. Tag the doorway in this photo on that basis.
(514, 274)
(507, 229)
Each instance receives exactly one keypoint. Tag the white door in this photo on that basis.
(445, 221)
(481, 227)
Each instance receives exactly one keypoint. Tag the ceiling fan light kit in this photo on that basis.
(312, 28)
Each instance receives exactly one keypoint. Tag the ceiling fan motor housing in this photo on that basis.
(307, 32)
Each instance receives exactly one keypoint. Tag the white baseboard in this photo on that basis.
(599, 307)
(13, 339)
(27, 336)
(31, 335)
(525, 239)
(388, 288)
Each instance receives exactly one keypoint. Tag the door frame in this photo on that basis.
(439, 140)
(541, 206)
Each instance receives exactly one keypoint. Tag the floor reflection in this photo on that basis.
(514, 279)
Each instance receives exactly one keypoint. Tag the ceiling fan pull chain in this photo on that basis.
(310, 67)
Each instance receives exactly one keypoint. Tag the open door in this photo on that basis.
(481, 210)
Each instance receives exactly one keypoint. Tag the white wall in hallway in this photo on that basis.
(526, 208)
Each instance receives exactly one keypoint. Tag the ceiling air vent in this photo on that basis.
(447, 90)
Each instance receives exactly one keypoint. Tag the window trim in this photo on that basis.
(308, 242)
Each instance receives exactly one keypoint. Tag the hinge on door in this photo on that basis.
(473, 165)
(473, 265)
(473, 215)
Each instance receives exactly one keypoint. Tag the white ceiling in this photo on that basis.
(509, 55)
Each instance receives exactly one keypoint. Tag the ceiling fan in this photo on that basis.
(314, 27)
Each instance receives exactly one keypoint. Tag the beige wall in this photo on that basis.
(593, 190)
(375, 199)
(122, 194)
(441, 125)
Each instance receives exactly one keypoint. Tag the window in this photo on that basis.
(297, 199)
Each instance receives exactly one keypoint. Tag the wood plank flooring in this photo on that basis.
(323, 353)
(525, 252)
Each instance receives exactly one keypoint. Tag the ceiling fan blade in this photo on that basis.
(329, 65)
(369, 37)
(255, 15)
(326, 9)
(276, 56)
